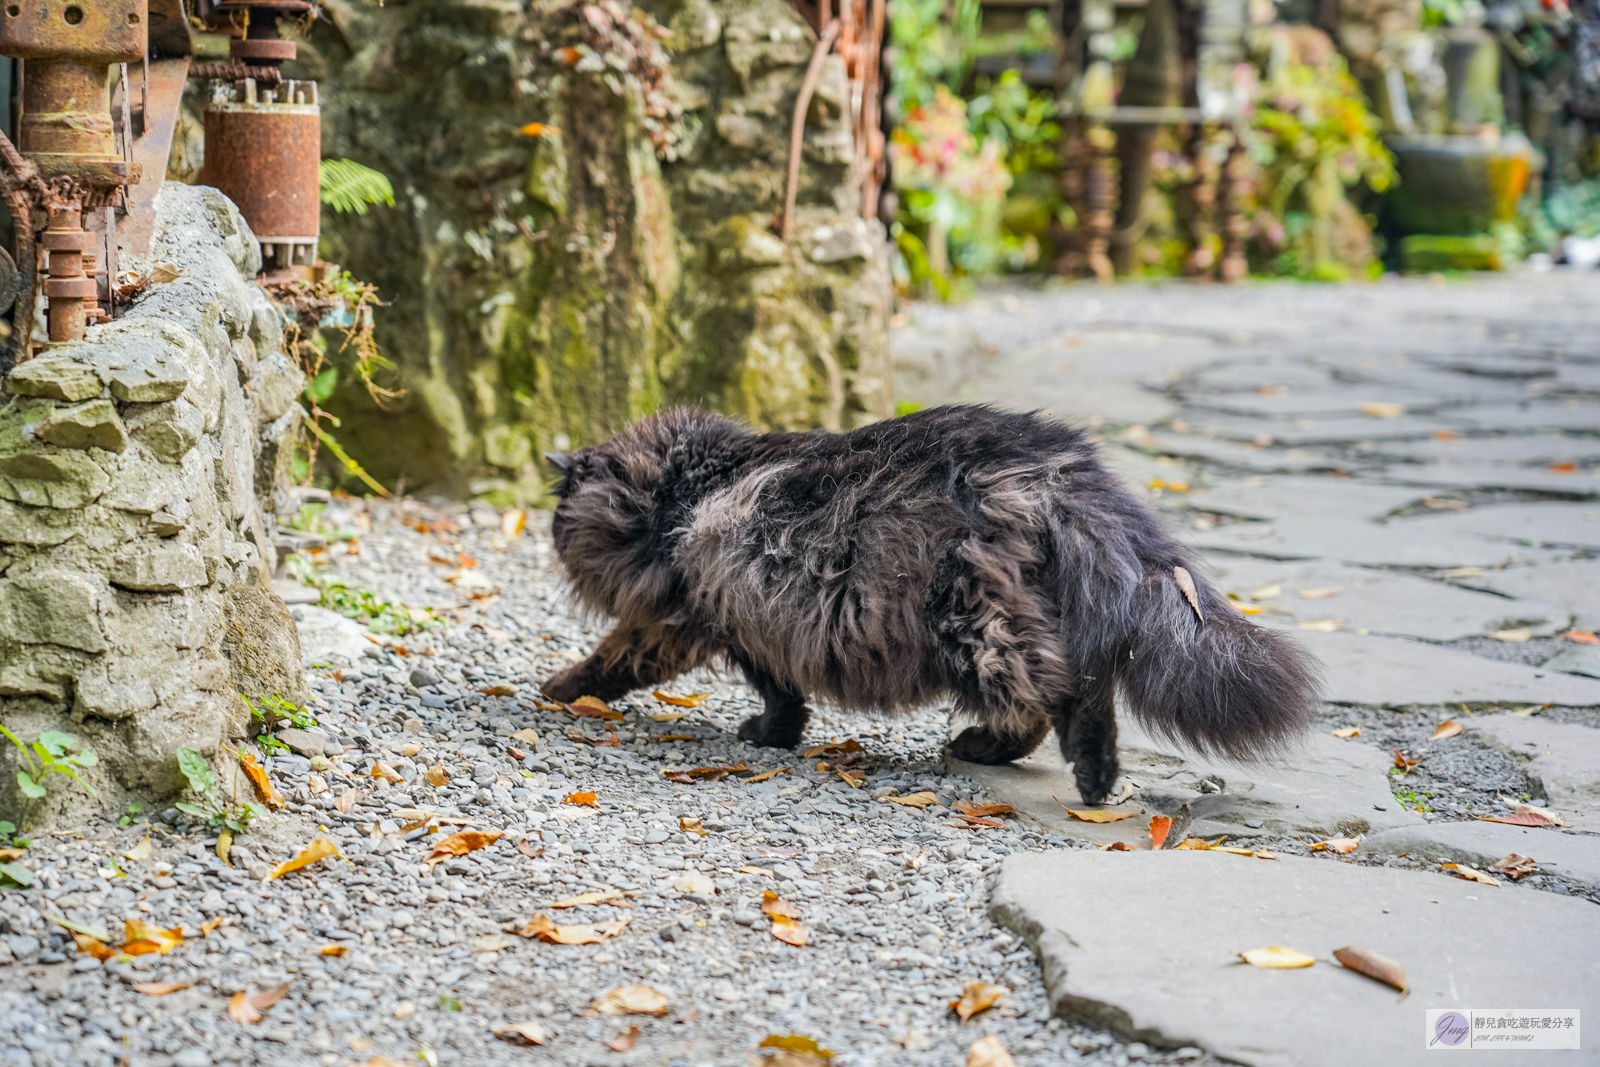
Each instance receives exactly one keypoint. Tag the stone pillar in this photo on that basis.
(133, 603)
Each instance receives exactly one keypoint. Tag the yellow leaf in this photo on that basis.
(914, 800)
(437, 776)
(159, 989)
(225, 847)
(835, 748)
(796, 1043)
(211, 924)
(691, 700)
(967, 807)
(162, 273)
(1095, 814)
(539, 129)
(789, 931)
(694, 882)
(1326, 626)
(599, 896)
(1367, 962)
(632, 1000)
(669, 716)
(386, 772)
(772, 904)
(692, 826)
(1348, 731)
(315, 783)
(541, 927)
(92, 946)
(764, 775)
(1470, 875)
(976, 997)
(248, 1007)
(625, 1041)
(491, 942)
(139, 852)
(854, 779)
(1340, 845)
(499, 691)
(321, 848)
(459, 845)
(1448, 728)
(1198, 843)
(258, 775)
(527, 736)
(1274, 957)
(988, 1051)
(757, 870)
(529, 1033)
(346, 800)
(332, 950)
(584, 799)
(1270, 591)
(1379, 409)
(1319, 594)
(140, 938)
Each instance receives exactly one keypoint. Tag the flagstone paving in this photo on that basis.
(1424, 459)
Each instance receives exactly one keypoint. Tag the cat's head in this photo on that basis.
(615, 512)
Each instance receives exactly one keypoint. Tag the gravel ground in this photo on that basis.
(893, 896)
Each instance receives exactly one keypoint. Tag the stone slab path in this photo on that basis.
(1406, 477)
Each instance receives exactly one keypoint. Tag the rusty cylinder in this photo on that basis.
(262, 150)
(67, 286)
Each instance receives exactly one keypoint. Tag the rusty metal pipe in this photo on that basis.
(67, 287)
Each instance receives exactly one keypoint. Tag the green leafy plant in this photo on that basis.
(50, 754)
(128, 816)
(12, 874)
(267, 710)
(349, 187)
(1414, 801)
(209, 804)
(365, 606)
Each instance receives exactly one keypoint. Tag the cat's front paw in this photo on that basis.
(760, 730)
(1095, 779)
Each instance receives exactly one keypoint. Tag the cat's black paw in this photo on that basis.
(588, 679)
(1095, 779)
(762, 730)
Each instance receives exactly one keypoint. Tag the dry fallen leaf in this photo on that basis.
(632, 1000)
(1469, 874)
(1512, 637)
(669, 716)
(1319, 594)
(854, 779)
(526, 735)
(692, 826)
(1270, 591)
(258, 775)
(1583, 637)
(1380, 968)
(989, 1052)
(386, 772)
(1404, 762)
(460, 844)
(1326, 626)
(625, 1041)
(529, 851)
(515, 520)
(1514, 865)
(346, 800)
(248, 1007)
(967, 807)
(975, 997)
(211, 924)
(1448, 728)
(576, 934)
(224, 847)
(491, 942)
(140, 938)
(1379, 409)
(1186, 583)
(1522, 818)
(835, 748)
(521, 1033)
(162, 273)
(764, 775)
(586, 800)
(593, 708)
(542, 129)
(93, 946)
(1160, 826)
(757, 870)
(694, 882)
(801, 1051)
(789, 931)
(599, 896)
(321, 848)
(1340, 845)
(1198, 844)
(1094, 814)
(1275, 957)
(332, 950)
(1348, 731)
(1551, 818)
(691, 700)
(772, 904)
(914, 800)
(138, 853)
(437, 776)
(316, 784)
(159, 989)
(499, 691)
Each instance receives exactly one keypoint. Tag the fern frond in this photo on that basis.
(348, 186)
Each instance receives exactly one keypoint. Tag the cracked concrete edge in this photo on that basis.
(1065, 1002)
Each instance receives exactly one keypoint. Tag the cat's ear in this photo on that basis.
(561, 461)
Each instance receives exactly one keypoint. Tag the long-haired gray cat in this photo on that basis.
(959, 552)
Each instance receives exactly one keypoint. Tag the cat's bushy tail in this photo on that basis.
(1222, 684)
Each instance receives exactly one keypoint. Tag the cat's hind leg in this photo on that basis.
(989, 745)
(627, 659)
(786, 714)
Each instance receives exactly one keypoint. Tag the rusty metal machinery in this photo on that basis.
(66, 132)
(264, 135)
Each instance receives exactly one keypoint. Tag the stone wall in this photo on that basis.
(546, 290)
(133, 602)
